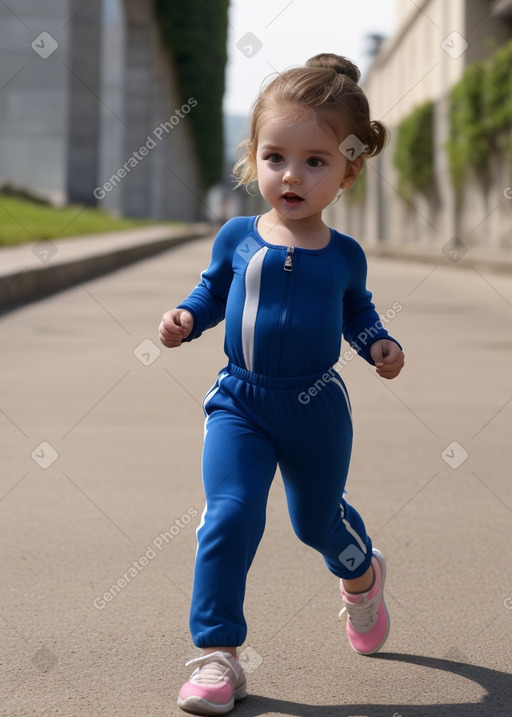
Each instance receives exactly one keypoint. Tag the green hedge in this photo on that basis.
(195, 31)
(414, 154)
(469, 142)
(481, 116)
(480, 127)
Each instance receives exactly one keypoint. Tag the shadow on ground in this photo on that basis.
(496, 703)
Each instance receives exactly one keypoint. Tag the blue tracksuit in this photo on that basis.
(280, 402)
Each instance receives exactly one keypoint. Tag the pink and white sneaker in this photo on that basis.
(215, 684)
(368, 617)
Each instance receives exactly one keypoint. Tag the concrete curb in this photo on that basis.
(32, 271)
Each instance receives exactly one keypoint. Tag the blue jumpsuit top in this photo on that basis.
(286, 308)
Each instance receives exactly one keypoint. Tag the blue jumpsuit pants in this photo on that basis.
(254, 424)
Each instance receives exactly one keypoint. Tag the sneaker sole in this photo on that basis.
(200, 706)
(377, 554)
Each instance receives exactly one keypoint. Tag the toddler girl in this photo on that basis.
(288, 287)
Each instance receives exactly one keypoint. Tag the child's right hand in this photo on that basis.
(175, 326)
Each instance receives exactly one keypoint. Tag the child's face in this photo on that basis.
(300, 167)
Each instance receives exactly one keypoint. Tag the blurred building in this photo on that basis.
(89, 110)
(434, 43)
(225, 200)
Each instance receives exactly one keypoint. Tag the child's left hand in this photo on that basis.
(388, 356)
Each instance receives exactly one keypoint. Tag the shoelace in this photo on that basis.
(210, 670)
(362, 616)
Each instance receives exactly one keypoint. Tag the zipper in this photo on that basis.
(288, 266)
(288, 262)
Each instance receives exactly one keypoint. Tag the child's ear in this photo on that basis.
(353, 169)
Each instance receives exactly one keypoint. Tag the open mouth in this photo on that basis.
(292, 199)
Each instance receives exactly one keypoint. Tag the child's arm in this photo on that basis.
(362, 326)
(206, 304)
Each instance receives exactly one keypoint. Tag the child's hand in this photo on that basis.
(175, 326)
(388, 356)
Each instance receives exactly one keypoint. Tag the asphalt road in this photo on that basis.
(101, 436)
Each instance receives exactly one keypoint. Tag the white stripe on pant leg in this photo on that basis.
(211, 393)
(351, 530)
(201, 523)
(343, 390)
(252, 299)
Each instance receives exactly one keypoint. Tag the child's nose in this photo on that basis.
(291, 176)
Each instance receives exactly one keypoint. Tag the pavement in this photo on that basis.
(101, 433)
(454, 251)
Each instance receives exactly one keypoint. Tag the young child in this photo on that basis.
(288, 287)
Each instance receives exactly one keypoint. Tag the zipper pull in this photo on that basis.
(288, 262)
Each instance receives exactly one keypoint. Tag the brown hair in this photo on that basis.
(326, 85)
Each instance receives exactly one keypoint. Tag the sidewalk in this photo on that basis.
(33, 270)
(36, 269)
(486, 259)
(101, 438)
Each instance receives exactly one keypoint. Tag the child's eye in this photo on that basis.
(314, 162)
(274, 158)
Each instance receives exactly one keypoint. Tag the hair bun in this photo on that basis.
(339, 64)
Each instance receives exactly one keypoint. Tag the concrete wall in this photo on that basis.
(434, 43)
(79, 103)
(34, 97)
(111, 110)
(84, 64)
(168, 176)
